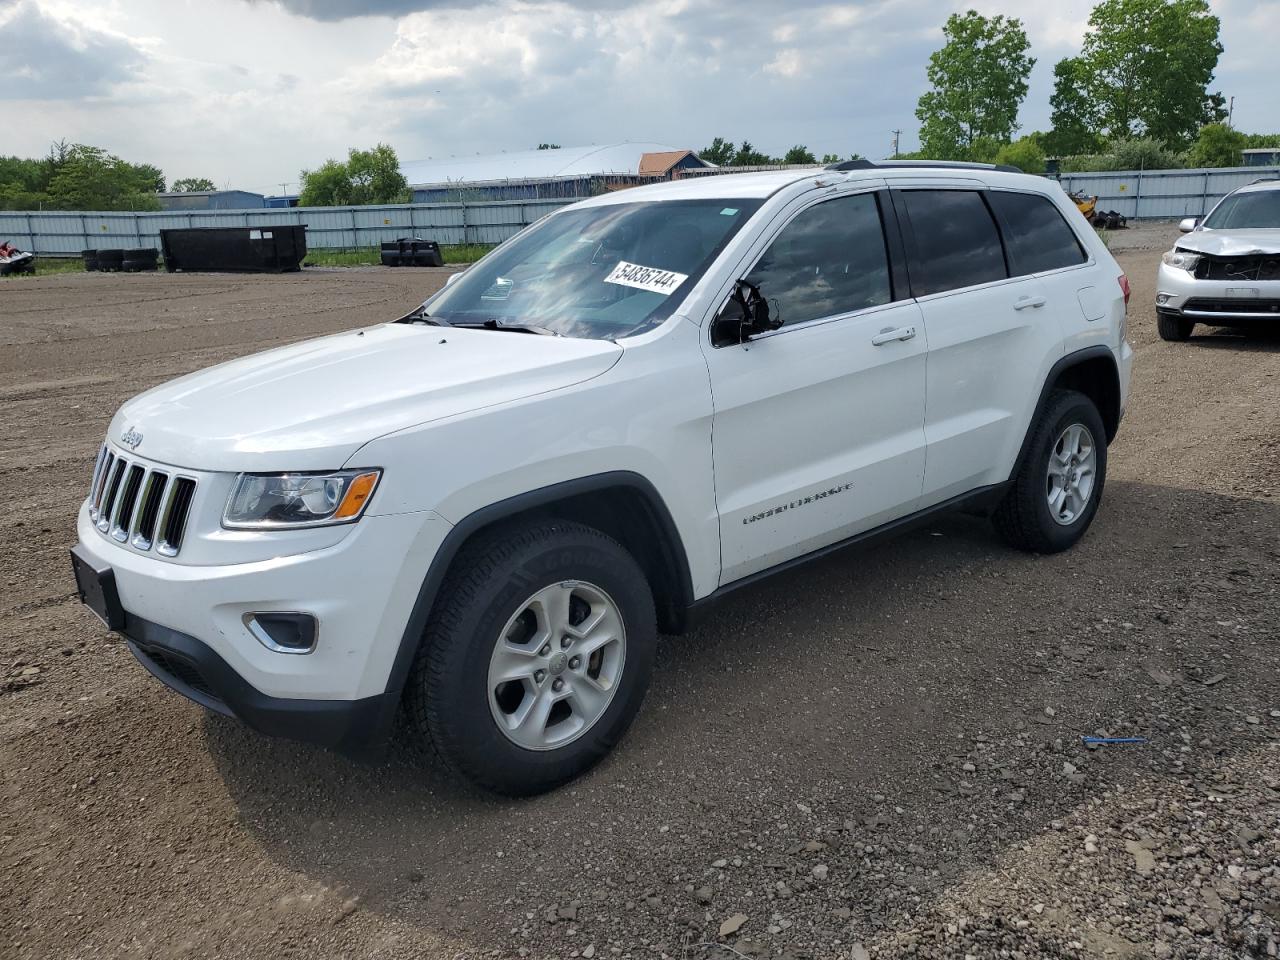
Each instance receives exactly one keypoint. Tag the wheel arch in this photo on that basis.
(1092, 371)
(623, 504)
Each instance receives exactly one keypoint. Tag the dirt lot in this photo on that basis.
(878, 755)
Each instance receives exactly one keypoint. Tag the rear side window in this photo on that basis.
(1037, 237)
(957, 244)
(829, 260)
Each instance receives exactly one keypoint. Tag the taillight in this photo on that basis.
(1124, 288)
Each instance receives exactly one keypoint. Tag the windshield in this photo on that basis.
(1255, 210)
(596, 272)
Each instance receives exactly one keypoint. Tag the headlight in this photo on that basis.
(1181, 259)
(261, 501)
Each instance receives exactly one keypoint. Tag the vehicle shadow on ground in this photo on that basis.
(848, 690)
(1226, 338)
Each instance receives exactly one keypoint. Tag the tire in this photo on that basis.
(488, 598)
(1025, 517)
(109, 260)
(1174, 328)
(137, 266)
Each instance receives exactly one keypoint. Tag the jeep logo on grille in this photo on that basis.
(131, 438)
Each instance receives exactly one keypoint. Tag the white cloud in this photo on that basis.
(47, 57)
(249, 93)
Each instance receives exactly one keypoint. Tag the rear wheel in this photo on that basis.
(536, 658)
(1173, 327)
(1056, 492)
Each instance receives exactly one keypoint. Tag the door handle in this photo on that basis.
(1023, 302)
(889, 334)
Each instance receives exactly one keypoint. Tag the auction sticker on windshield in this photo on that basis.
(645, 278)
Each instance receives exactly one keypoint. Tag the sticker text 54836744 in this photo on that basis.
(645, 278)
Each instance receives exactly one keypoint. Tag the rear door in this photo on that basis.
(987, 333)
(819, 425)
(1040, 242)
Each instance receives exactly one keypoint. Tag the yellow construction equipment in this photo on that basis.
(1085, 205)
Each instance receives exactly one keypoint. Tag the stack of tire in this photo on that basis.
(129, 261)
(411, 252)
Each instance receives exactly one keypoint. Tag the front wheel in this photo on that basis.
(1174, 328)
(1058, 487)
(536, 658)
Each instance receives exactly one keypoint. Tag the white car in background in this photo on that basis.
(1225, 272)
(483, 513)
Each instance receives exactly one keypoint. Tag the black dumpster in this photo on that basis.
(266, 249)
(411, 252)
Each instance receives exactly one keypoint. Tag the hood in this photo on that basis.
(311, 405)
(1231, 243)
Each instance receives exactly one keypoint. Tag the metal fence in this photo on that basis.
(1150, 194)
(1163, 194)
(334, 228)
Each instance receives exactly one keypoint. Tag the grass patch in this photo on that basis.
(46, 266)
(372, 256)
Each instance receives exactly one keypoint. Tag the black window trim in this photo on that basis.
(1003, 227)
(895, 255)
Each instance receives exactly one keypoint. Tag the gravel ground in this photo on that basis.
(878, 755)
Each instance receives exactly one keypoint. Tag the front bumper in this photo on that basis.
(1216, 302)
(191, 668)
(186, 625)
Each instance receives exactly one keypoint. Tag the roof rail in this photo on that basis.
(891, 164)
(1265, 180)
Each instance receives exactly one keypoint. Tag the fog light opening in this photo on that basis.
(1162, 298)
(283, 631)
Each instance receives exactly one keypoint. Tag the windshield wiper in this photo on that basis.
(420, 315)
(493, 323)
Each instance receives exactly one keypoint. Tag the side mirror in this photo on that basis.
(744, 315)
(1187, 224)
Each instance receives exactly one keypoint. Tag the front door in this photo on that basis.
(819, 426)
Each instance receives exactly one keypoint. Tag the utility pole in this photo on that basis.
(1231, 108)
(284, 188)
(896, 135)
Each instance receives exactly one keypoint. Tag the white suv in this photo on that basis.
(483, 513)
(1226, 271)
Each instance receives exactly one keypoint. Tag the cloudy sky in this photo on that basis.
(249, 92)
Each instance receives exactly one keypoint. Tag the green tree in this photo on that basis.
(720, 152)
(748, 156)
(327, 186)
(1217, 146)
(89, 178)
(799, 154)
(1145, 68)
(1025, 153)
(376, 177)
(367, 176)
(1128, 153)
(1253, 141)
(193, 185)
(1075, 115)
(978, 80)
(831, 158)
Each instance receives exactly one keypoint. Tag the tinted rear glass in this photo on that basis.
(1037, 237)
(957, 244)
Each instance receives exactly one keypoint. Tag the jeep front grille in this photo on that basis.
(140, 505)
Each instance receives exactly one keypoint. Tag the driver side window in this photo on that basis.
(831, 259)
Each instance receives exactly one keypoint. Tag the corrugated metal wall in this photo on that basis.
(1162, 194)
(327, 227)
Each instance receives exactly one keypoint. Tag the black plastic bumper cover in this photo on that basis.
(183, 663)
